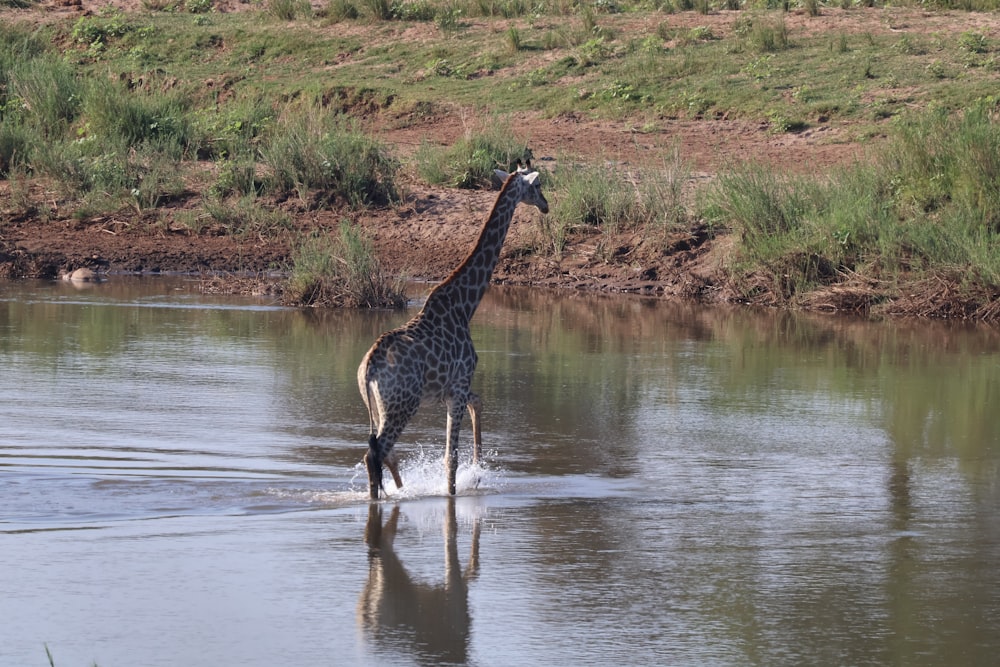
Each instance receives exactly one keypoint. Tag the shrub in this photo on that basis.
(99, 30)
(324, 158)
(341, 271)
(198, 6)
(470, 162)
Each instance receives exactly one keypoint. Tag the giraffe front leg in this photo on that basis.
(475, 406)
(455, 411)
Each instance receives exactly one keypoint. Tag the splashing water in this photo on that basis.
(423, 474)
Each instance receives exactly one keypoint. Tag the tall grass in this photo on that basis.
(946, 160)
(114, 117)
(324, 158)
(471, 161)
(608, 199)
(289, 10)
(246, 217)
(378, 9)
(50, 88)
(662, 193)
(763, 33)
(109, 177)
(18, 44)
(16, 147)
(931, 201)
(926, 204)
(341, 270)
(595, 195)
(235, 131)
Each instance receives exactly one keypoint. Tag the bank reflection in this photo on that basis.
(401, 614)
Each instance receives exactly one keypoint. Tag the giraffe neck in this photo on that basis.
(460, 294)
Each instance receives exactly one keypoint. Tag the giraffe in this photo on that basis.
(431, 358)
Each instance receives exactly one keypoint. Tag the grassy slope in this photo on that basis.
(233, 75)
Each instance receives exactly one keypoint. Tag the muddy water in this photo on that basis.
(180, 485)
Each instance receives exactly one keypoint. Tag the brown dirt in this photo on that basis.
(429, 233)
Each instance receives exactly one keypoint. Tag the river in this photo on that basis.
(181, 484)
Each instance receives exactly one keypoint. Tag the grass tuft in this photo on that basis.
(289, 10)
(342, 271)
(324, 158)
(470, 161)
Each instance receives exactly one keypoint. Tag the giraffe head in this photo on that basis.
(527, 186)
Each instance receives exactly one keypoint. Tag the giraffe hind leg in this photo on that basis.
(373, 462)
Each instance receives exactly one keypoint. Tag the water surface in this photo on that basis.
(180, 483)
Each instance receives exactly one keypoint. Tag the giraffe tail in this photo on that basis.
(373, 457)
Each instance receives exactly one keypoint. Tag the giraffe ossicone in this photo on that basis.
(431, 359)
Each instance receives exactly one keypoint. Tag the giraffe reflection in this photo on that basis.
(433, 618)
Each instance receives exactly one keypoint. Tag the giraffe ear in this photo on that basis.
(501, 174)
(532, 177)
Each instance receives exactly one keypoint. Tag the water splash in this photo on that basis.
(424, 474)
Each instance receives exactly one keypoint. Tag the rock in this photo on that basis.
(82, 275)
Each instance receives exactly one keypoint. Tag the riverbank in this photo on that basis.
(46, 231)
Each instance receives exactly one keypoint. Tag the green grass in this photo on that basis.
(575, 59)
(46, 92)
(16, 147)
(589, 64)
(245, 217)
